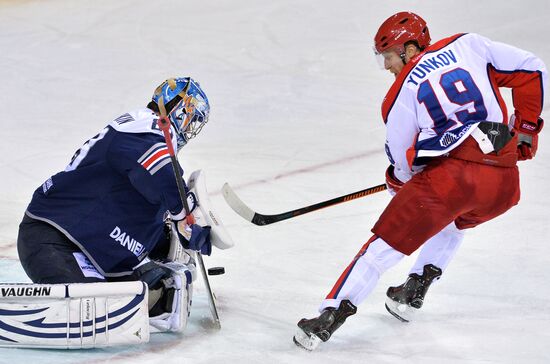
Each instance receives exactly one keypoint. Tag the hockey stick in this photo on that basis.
(164, 125)
(260, 219)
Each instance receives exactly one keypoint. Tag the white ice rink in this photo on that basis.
(295, 94)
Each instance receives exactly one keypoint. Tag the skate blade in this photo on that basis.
(400, 311)
(308, 342)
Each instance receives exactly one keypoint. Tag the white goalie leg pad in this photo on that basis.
(181, 285)
(73, 316)
(205, 215)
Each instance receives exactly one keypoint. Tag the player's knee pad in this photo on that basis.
(381, 256)
(439, 250)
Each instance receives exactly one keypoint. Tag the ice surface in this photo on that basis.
(295, 94)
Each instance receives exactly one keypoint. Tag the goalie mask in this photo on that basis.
(185, 104)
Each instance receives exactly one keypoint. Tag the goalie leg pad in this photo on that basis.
(175, 303)
(73, 316)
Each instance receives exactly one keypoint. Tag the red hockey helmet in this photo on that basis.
(399, 29)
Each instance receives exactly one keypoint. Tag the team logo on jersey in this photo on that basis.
(449, 137)
(123, 119)
(47, 185)
(155, 158)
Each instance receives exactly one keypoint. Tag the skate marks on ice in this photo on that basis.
(11, 271)
(303, 170)
(8, 251)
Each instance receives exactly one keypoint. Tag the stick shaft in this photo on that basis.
(175, 166)
(261, 219)
(320, 205)
(164, 125)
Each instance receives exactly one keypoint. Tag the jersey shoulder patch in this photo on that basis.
(138, 121)
(143, 121)
(155, 158)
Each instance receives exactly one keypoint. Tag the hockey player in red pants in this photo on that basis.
(453, 152)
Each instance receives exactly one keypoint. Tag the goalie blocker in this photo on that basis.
(205, 215)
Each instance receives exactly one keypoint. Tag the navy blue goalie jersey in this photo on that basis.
(112, 198)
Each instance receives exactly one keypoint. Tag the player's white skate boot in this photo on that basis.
(404, 300)
(311, 332)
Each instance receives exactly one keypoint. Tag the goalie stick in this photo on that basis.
(164, 125)
(260, 219)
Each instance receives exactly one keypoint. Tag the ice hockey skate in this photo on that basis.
(312, 331)
(403, 301)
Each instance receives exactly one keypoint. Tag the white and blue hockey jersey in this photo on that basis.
(442, 94)
(112, 197)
